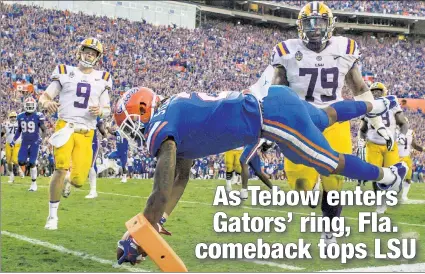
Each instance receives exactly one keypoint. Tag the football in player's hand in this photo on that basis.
(129, 251)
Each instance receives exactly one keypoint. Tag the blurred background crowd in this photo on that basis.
(218, 56)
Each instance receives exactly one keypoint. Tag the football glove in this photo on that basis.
(130, 252)
(361, 150)
(383, 132)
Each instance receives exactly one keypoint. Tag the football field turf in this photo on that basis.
(90, 228)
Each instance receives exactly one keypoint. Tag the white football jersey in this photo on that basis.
(317, 78)
(390, 123)
(404, 150)
(11, 129)
(79, 91)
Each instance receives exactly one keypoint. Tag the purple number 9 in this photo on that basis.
(83, 91)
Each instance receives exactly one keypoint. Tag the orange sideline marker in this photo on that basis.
(154, 245)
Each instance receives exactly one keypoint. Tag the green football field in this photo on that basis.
(89, 230)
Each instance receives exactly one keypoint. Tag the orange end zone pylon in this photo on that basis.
(154, 245)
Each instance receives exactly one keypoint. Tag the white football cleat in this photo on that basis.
(66, 189)
(244, 194)
(51, 224)
(328, 237)
(33, 187)
(399, 170)
(11, 180)
(92, 195)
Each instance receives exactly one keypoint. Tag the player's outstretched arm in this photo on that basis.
(181, 179)
(401, 121)
(163, 182)
(416, 146)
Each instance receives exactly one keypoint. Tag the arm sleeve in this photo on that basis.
(53, 89)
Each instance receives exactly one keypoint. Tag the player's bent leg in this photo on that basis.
(92, 180)
(406, 184)
(56, 187)
(339, 137)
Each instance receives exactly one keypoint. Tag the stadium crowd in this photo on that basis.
(217, 56)
(406, 8)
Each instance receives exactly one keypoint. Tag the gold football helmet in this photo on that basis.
(315, 24)
(378, 90)
(91, 43)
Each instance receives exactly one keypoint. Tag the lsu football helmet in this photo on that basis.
(134, 111)
(315, 24)
(30, 105)
(378, 90)
(12, 116)
(91, 43)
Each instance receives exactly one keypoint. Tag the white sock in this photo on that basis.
(406, 187)
(92, 179)
(388, 178)
(68, 176)
(11, 175)
(124, 176)
(33, 172)
(229, 183)
(53, 209)
(378, 106)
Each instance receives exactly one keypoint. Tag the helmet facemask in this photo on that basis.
(315, 31)
(86, 63)
(30, 106)
(132, 129)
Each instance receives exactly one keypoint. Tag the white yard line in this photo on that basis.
(283, 266)
(420, 267)
(65, 250)
(210, 204)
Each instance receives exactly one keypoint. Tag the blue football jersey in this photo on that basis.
(29, 126)
(203, 125)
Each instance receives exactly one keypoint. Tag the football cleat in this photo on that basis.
(92, 195)
(51, 224)
(11, 180)
(33, 187)
(399, 170)
(374, 114)
(66, 189)
(328, 237)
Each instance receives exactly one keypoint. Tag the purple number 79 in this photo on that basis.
(83, 91)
